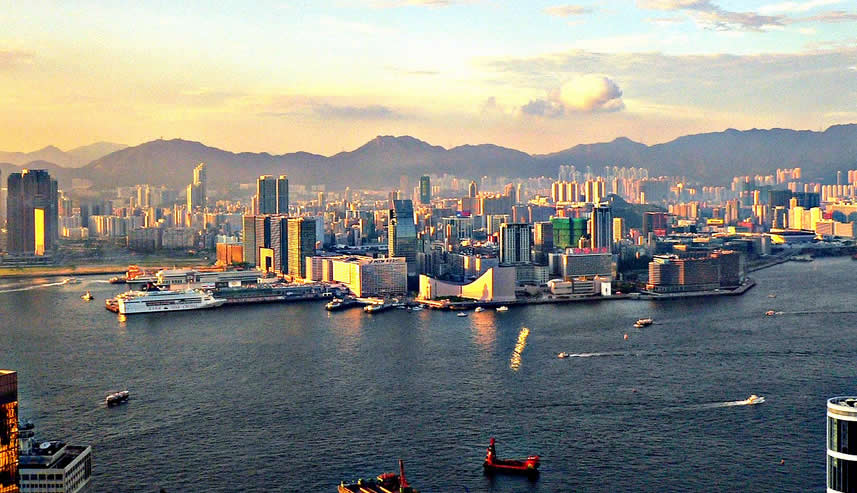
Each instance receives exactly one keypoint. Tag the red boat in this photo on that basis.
(492, 464)
(385, 483)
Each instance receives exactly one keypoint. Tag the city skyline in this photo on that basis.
(280, 77)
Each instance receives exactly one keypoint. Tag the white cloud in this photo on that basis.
(795, 7)
(590, 93)
(712, 16)
(567, 10)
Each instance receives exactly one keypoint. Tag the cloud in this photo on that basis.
(567, 10)
(417, 3)
(663, 21)
(795, 7)
(711, 16)
(300, 106)
(829, 17)
(590, 93)
(9, 58)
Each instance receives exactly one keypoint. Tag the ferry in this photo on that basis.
(385, 483)
(528, 466)
(117, 398)
(162, 301)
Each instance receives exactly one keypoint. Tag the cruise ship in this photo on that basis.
(162, 301)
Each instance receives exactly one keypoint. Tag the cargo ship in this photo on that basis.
(528, 466)
(385, 483)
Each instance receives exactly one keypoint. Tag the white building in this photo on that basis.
(54, 467)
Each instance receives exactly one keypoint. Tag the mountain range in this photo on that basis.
(713, 158)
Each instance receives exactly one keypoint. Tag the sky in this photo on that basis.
(325, 76)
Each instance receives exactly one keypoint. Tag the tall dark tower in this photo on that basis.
(402, 234)
(31, 210)
(283, 194)
(601, 224)
(473, 189)
(425, 190)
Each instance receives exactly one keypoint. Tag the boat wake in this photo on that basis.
(745, 402)
(598, 355)
(34, 286)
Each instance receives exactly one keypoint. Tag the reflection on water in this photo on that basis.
(515, 363)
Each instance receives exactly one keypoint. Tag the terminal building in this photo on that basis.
(842, 444)
(676, 274)
(496, 284)
(364, 276)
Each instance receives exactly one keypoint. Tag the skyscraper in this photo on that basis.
(272, 195)
(248, 238)
(601, 225)
(196, 191)
(402, 234)
(841, 447)
(542, 241)
(301, 232)
(8, 431)
(472, 189)
(32, 212)
(425, 190)
(515, 244)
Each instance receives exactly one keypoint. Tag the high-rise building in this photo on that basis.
(515, 244)
(301, 233)
(272, 195)
(618, 229)
(248, 238)
(8, 431)
(32, 203)
(425, 190)
(196, 191)
(543, 243)
(601, 227)
(842, 444)
(402, 234)
(472, 189)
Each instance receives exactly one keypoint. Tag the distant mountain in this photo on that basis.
(74, 158)
(713, 158)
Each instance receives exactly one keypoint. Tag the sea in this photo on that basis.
(292, 398)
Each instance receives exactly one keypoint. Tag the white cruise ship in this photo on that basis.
(163, 301)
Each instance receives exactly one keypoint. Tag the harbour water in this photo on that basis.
(290, 397)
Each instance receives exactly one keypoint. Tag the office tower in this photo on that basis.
(301, 232)
(425, 190)
(8, 431)
(522, 193)
(842, 444)
(601, 227)
(272, 195)
(321, 202)
(31, 212)
(402, 234)
(248, 238)
(542, 241)
(472, 189)
(653, 222)
(515, 244)
(618, 229)
(196, 191)
(262, 230)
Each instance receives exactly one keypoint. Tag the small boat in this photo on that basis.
(528, 466)
(117, 398)
(461, 314)
(479, 309)
(562, 355)
(72, 280)
(87, 296)
(772, 295)
(643, 322)
(117, 280)
(385, 483)
(503, 308)
(753, 399)
(770, 313)
(417, 309)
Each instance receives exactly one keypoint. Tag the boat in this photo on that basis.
(643, 322)
(378, 307)
(340, 304)
(385, 483)
(528, 466)
(87, 296)
(71, 280)
(770, 313)
(772, 295)
(162, 301)
(417, 309)
(753, 399)
(461, 314)
(112, 304)
(562, 355)
(503, 308)
(479, 309)
(117, 398)
(117, 280)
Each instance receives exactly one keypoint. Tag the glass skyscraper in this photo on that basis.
(402, 234)
(425, 190)
(301, 241)
(32, 212)
(8, 431)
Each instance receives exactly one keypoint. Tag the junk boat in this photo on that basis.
(753, 399)
(117, 398)
(643, 322)
(528, 466)
(87, 296)
(385, 483)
